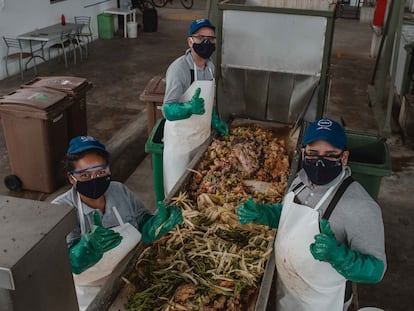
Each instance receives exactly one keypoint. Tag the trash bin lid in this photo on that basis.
(154, 90)
(68, 84)
(35, 102)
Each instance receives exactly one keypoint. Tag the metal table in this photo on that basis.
(43, 36)
(125, 13)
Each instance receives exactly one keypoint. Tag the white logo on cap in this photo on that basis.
(324, 124)
(87, 138)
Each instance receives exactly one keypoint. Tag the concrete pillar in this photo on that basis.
(376, 41)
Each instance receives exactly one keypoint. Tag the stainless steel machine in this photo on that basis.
(272, 60)
(35, 272)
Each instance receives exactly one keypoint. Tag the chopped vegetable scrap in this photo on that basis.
(211, 261)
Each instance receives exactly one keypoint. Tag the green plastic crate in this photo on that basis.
(155, 146)
(369, 160)
(106, 27)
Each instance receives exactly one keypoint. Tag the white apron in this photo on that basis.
(182, 137)
(304, 283)
(89, 282)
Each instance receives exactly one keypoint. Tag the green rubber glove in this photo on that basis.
(158, 225)
(351, 264)
(262, 214)
(218, 124)
(91, 247)
(181, 111)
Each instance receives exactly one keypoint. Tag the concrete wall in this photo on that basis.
(20, 16)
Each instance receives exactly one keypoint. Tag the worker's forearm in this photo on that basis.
(358, 267)
(177, 111)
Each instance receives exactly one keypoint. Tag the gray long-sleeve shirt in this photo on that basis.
(356, 219)
(178, 76)
(130, 208)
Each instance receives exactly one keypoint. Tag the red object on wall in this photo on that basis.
(63, 20)
(379, 13)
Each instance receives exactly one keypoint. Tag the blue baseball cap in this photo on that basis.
(83, 143)
(200, 23)
(327, 130)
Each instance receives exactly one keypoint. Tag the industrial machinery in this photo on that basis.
(35, 271)
(388, 77)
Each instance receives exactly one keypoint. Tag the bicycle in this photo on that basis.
(188, 4)
(142, 4)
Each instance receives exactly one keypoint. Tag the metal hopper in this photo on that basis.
(271, 68)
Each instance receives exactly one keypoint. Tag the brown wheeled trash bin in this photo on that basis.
(153, 96)
(35, 127)
(75, 87)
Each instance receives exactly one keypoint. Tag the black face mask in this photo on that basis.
(321, 171)
(204, 49)
(93, 188)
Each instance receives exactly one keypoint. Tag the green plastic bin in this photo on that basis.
(369, 160)
(155, 146)
(105, 26)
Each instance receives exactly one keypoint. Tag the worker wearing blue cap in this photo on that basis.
(188, 102)
(111, 219)
(329, 230)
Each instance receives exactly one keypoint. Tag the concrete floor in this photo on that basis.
(120, 68)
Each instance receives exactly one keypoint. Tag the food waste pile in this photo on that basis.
(211, 261)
